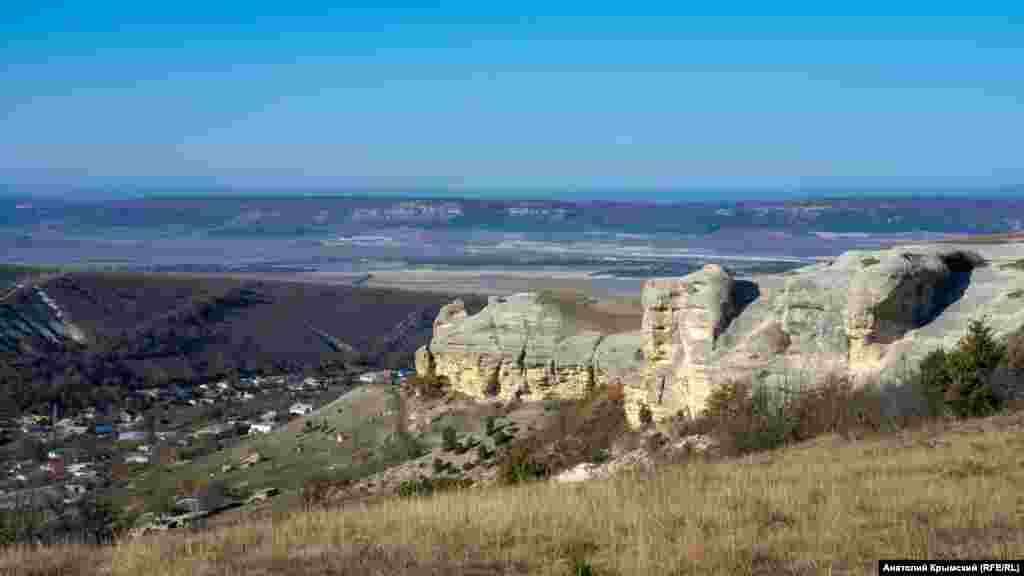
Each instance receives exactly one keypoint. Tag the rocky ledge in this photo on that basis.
(866, 315)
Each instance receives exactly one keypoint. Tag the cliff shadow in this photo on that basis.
(745, 293)
(897, 315)
(961, 266)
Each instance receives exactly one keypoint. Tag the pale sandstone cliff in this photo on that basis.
(869, 315)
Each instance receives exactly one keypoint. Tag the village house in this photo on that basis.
(261, 428)
(153, 393)
(128, 418)
(378, 377)
(300, 409)
(136, 458)
(79, 469)
(188, 505)
(213, 429)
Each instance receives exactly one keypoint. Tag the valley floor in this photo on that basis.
(832, 505)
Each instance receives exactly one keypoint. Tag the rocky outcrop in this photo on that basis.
(526, 345)
(867, 315)
(683, 317)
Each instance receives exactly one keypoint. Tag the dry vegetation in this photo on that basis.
(607, 316)
(852, 484)
(950, 490)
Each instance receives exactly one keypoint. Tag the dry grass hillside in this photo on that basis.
(827, 506)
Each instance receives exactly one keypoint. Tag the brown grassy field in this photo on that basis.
(828, 506)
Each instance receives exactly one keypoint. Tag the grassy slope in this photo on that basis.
(355, 413)
(955, 490)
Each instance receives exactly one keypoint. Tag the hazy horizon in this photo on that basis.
(725, 195)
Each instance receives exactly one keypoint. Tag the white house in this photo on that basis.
(300, 409)
(80, 467)
(136, 459)
(269, 416)
(263, 428)
(381, 377)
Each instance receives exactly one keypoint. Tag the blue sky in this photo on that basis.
(536, 96)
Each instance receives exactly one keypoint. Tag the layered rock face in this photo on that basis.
(682, 319)
(525, 345)
(866, 315)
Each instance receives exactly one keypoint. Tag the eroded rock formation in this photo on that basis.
(682, 319)
(867, 315)
(525, 345)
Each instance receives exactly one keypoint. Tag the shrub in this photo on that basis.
(1015, 350)
(429, 486)
(440, 466)
(20, 525)
(412, 488)
(427, 386)
(484, 453)
(490, 425)
(502, 437)
(646, 415)
(600, 456)
(747, 418)
(932, 380)
(520, 465)
(960, 381)
(835, 407)
(970, 367)
(449, 438)
(317, 491)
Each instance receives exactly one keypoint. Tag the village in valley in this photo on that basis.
(63, 456)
